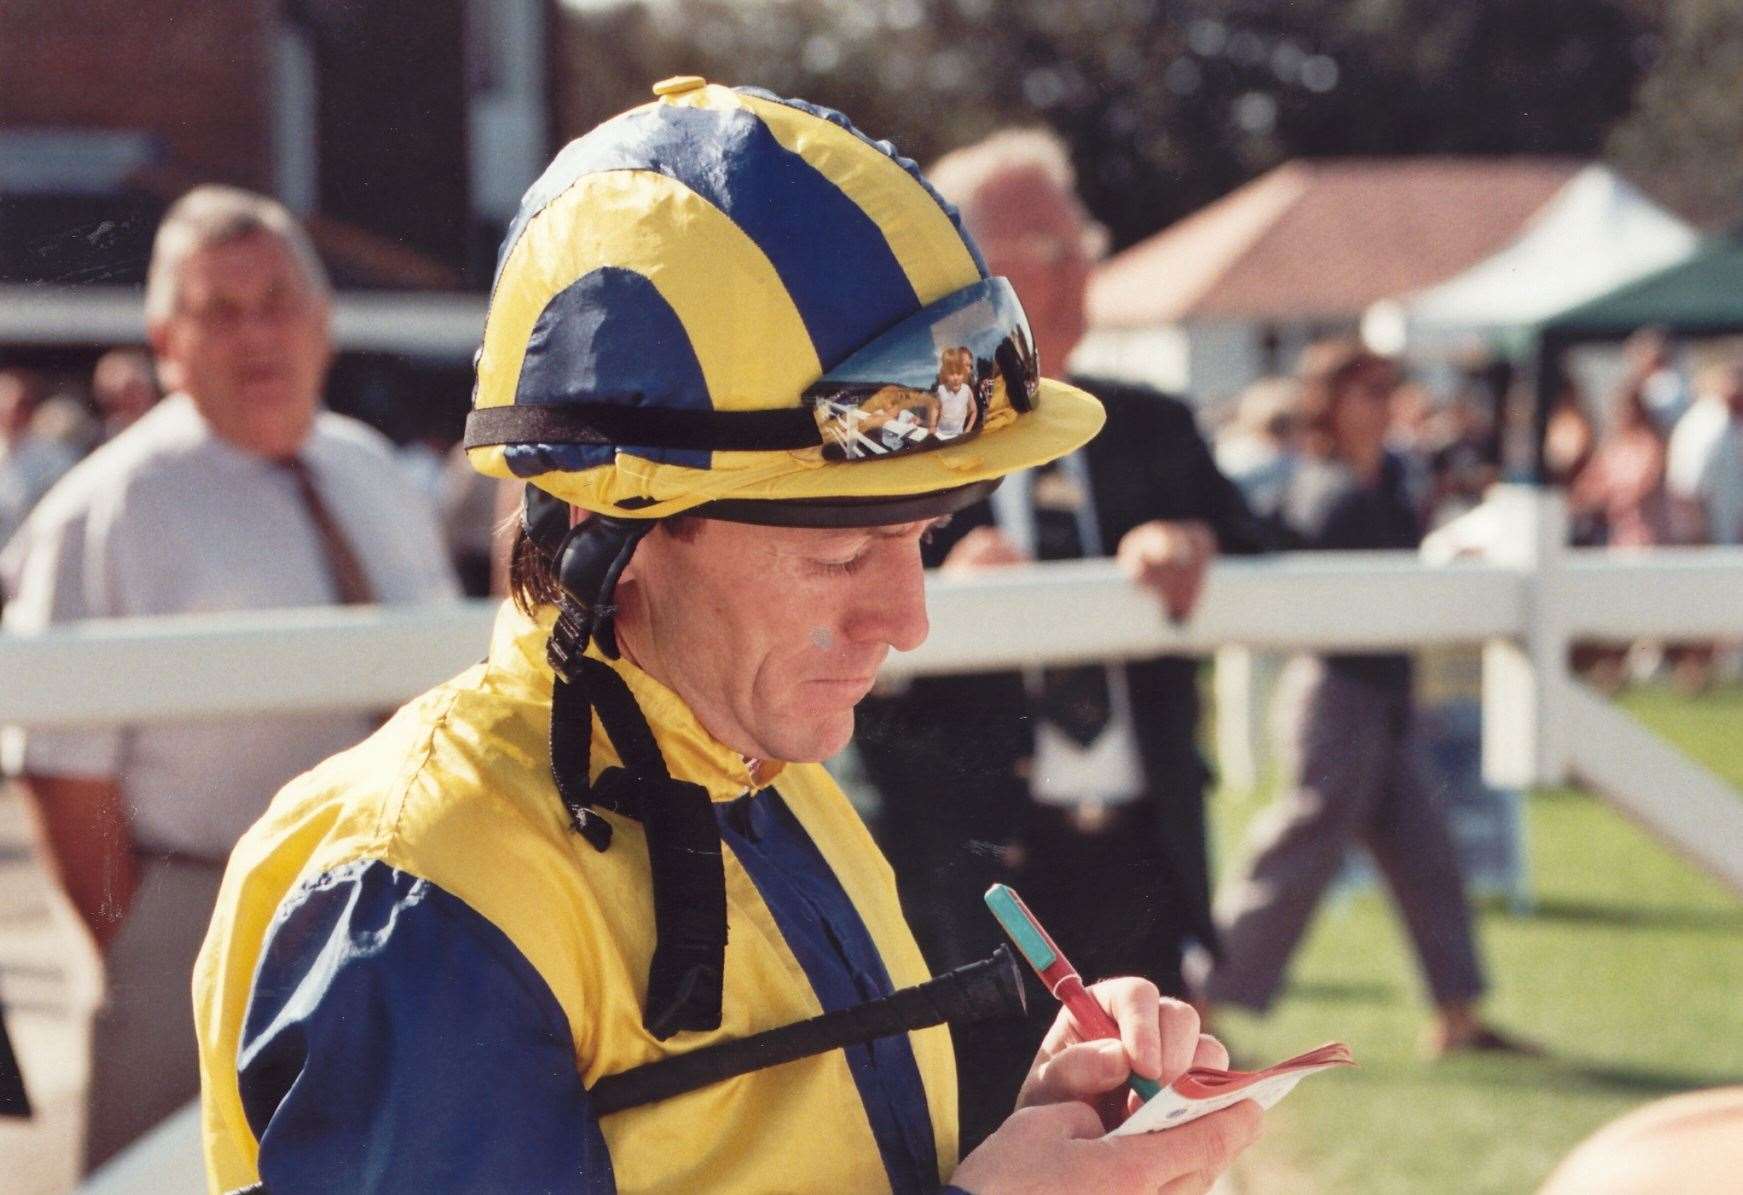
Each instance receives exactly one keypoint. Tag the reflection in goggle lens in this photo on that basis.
(964, 365)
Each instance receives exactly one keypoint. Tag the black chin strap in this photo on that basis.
(686, 975)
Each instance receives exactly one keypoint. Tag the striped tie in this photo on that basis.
(350, 581)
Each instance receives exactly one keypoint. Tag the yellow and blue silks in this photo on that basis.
(414, 942)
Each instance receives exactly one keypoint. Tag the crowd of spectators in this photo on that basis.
(1652, 461)
(1446, 445)
(49, 423)
(1659, 461)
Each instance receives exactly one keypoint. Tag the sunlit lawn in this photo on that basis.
(1629, 970)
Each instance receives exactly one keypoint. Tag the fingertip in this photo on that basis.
(1179, 1028)
(1211, 1053)
(1084, 1071)
(1142, 1031)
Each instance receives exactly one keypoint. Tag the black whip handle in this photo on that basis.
(979, 991)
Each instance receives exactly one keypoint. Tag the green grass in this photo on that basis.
(1628, 970)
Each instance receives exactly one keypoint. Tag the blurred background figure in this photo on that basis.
(1622, 485)
(1256, 449)
(1704, 482)
(473, 507)
(30, 462)
(1464, 455)
(423, 457)
(1704, 467)
(1689, 1144)
(1619, 500)
(1414, 427)
(1346, 724)
(1446, 443)
(235, 492)
(1653, 376)
(65, 419)
(1569, 440)
(1082, 784)
(124, 387)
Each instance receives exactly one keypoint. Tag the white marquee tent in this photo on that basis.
(1596, 234)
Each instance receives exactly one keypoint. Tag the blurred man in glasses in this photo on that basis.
(1082, 785)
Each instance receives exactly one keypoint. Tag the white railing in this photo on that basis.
(304, 660)
(1525, 602)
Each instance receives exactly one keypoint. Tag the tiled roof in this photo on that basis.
(1322, 239)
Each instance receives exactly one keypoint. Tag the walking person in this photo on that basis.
(1346, 720)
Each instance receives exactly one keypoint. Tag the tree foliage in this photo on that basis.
(1684, 139)
(1167, 104)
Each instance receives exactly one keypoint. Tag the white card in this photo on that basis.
(1169, 1109)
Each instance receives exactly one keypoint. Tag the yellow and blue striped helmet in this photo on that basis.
(705, 304)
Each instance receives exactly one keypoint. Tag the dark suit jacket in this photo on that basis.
(948, 756)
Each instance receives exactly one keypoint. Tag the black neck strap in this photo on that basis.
(688, 968)
(687, 974)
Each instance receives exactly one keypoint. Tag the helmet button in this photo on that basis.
(679, 84)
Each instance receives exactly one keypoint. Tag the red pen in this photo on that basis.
(1057, 973)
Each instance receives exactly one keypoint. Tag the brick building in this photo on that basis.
(401, 131)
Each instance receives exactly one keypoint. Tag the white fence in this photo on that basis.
(367, 657)
(1524, 602)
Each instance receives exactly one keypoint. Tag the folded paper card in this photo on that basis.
(1203, 1089)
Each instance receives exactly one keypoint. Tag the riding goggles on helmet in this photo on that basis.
(964, 364)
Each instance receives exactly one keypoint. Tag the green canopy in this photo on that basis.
(1700, 296)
